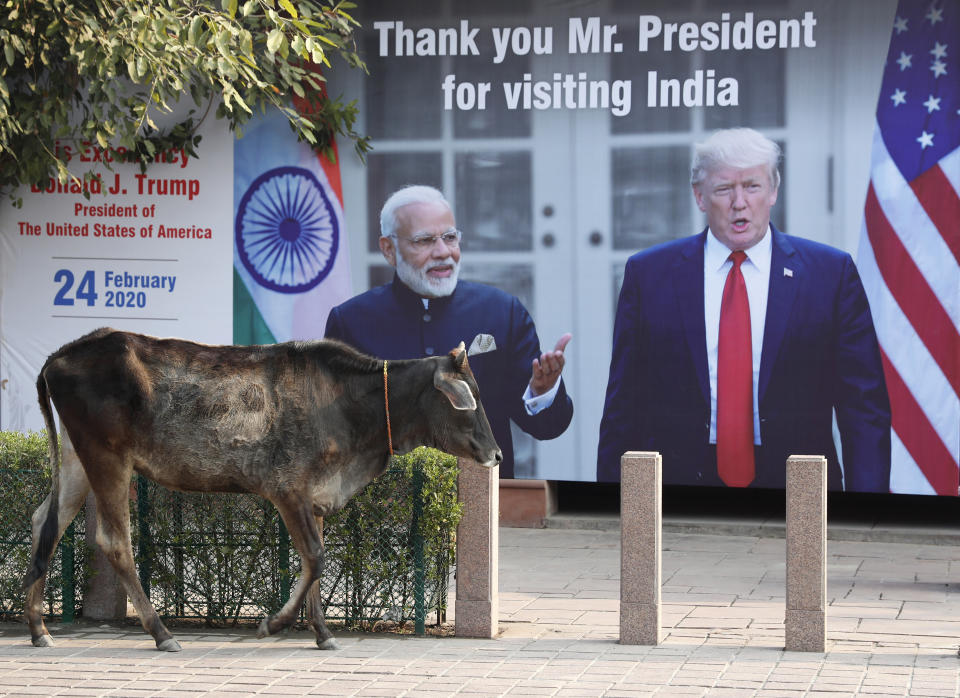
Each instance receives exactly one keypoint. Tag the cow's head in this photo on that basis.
(462, 428)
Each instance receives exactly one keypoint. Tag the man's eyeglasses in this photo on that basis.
(424, 241)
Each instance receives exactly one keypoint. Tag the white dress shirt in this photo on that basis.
(537, 403)
(756, 276)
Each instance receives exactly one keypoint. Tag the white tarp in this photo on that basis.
(148, 252)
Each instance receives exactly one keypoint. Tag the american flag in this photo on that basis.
(909, 255)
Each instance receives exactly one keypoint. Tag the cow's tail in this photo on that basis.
(48, 532)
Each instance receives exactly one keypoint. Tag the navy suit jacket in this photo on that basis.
(820, 353)
(390, 322)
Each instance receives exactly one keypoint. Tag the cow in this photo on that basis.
(305, 425)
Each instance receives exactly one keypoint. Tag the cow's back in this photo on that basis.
(194, 416)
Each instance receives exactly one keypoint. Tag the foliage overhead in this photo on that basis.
(96, 73)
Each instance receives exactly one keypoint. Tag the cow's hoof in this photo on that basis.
(42, 641)
(328, 644)
(169, 645)
(264, 628)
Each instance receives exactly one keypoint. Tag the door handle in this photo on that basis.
(596, 238)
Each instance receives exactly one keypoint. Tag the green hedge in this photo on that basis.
(372, 543)
(24, 483)
(225, 557)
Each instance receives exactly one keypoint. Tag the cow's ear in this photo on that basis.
(459, 357)
(456, 390)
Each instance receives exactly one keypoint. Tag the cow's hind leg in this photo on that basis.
(325, 640)
(113, 537)
(70, 495)
(306, 539)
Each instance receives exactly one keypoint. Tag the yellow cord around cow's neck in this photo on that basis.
(386, 404)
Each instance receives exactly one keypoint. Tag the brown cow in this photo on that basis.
(303, 424)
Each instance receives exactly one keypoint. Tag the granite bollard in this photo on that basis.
(640, 547)
(805, 625)
(478, 541)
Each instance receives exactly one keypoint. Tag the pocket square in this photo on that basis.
(481, 344)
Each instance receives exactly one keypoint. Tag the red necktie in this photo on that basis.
(735, 461)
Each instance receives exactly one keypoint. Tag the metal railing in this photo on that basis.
(224, 558)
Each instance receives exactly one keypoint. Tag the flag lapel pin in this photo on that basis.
(788, 272)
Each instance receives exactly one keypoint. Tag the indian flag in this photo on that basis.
(290, 255)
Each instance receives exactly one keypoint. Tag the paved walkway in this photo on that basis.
(893, 629)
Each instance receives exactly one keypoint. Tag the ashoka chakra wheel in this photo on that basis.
(286, 231)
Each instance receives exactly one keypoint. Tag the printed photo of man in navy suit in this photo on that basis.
(427, 310)
(733, 348)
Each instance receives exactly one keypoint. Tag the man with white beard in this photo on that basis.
(425, 310)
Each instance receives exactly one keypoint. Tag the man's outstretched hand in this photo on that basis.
(547, 369)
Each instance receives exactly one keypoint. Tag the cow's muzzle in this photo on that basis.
(495, 459)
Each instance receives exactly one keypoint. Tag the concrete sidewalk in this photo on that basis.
(893, 628)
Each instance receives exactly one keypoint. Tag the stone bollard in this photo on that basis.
(104, 597)
(640, 548)
(805, 625)
(478, 541)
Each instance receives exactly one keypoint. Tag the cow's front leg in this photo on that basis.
(307, 540)
(325, 640)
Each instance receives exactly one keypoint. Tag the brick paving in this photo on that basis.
(893, 629)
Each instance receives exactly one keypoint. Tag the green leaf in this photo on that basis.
(243, 105)
(226, 68)
(223, 42)
(274, 40)
(228, 93)
(288, 6)
(63, 64)
(246, 43)
(193, 34)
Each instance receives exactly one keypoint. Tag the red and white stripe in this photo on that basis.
(909, 260)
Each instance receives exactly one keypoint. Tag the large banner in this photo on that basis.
(136, 254)
(563, 133)
(244, 244)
